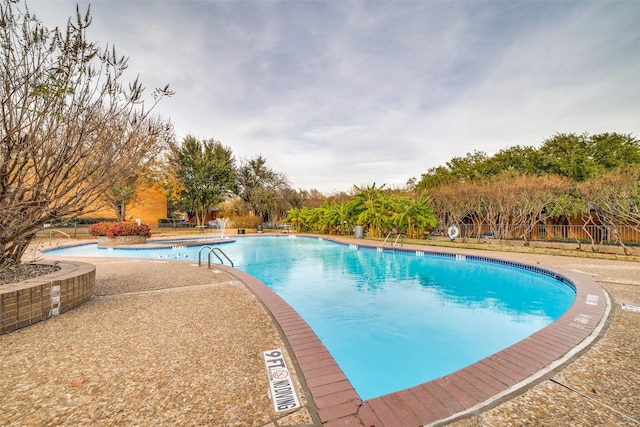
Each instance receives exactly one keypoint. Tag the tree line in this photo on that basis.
(202, 174)
(578, 157)
(588, 179)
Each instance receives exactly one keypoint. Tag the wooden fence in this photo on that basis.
(558, 233)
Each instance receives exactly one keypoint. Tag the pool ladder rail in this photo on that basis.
(395, 242)
(214, 251)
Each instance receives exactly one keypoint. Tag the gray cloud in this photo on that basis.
(341, 93)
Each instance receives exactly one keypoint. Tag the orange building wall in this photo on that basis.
(151, 205)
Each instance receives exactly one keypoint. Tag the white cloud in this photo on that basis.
(341, 93)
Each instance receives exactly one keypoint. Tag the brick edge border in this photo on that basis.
(33, 300)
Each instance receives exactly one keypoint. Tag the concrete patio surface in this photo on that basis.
(168, 343)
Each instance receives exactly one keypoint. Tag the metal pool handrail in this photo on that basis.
(212, 251)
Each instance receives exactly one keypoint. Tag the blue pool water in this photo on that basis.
(391, 320)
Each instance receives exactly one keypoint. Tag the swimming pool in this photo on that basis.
(392, 319)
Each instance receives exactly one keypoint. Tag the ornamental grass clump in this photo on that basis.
(113, 229)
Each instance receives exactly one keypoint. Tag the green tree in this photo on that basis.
(434, 177)
(373, 208)
(338, 218)
(472, 166)
(313, 219)
(296, 217)
(261, 188)
(613, 150)
(523, 160)
(206, 171)
(413, 216)
(569, 155)
(581, 157)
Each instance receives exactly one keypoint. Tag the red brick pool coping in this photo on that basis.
(483, 384)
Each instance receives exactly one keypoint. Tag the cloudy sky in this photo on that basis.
(343, 93)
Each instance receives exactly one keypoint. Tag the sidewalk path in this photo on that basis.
(161, 344)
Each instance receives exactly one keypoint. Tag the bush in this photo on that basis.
(112, 229)
(245, 221)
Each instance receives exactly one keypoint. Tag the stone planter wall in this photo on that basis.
(33, 300)
(121, 241)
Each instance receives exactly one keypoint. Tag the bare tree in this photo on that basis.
(614, 203)
(154, 140)
(535, 196)
(70, 129)
(454, 203)
(486, 207)
(510, 204)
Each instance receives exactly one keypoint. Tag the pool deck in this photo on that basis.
(577, 371)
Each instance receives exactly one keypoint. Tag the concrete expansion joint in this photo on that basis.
(592, 399)
(623, 282)
(169, 289)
